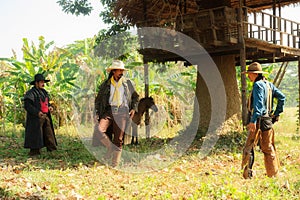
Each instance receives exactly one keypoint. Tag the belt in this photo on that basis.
(119, 108)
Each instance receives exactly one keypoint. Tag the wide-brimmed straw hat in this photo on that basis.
(254, 68)
(116, 64)
(39, 77)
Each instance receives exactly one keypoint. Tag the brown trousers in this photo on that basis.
(267, 146)
(48, 135)
(270, 156)
(118, 120)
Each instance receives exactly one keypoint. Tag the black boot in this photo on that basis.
(34, 152)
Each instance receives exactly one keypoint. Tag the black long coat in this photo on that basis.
(33, 132)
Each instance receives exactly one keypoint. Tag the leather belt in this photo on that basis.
(118, 109)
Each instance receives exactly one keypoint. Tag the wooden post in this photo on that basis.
(274, 22)
(147, 117)
(298, 128)
(243, 63)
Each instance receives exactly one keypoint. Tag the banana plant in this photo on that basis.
(55, 63)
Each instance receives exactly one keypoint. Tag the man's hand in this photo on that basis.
(275, 119)
(251, 127)
(96, 119)
(131, 113)
(41, 115)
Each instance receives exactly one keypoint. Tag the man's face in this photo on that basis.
(252, 76)
(40, 84)
(118, 73)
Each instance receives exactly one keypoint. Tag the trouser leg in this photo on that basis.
(48, 135)
(119, 125)
(269, 150)
(101, 130)
(248, 154)
(134, 133)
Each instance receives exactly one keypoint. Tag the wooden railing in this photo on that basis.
(218, 27)
(273, 29)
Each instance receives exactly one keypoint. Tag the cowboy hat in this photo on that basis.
(116, 64)
(39, 77)
(255, 68)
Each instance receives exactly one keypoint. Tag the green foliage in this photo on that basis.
(76, 7)
(118, 46)
(55, 64)
(117, 25)
(289, 84)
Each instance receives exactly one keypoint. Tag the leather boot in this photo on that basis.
(116, 157)
(107, 143)
(95, 140)
(34, 152)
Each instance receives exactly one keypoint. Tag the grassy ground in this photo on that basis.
(73, 173)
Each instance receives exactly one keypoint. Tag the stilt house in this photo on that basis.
(233, 32)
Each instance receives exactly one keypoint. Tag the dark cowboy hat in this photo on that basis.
(39, 77)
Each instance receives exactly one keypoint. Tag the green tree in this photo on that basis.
(76, 7)
(84, 7)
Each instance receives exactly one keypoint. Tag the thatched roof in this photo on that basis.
(135, 11)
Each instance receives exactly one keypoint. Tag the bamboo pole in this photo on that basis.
(278, 73)
(281, 75)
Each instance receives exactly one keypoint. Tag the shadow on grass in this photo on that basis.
(72, 152)
(6, 195)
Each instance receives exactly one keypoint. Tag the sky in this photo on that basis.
(33, 18)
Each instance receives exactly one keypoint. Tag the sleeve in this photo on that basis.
(29, 104)
(98, 102)
(134, 96)
(276, 93)
(258, 101)
(101, 98)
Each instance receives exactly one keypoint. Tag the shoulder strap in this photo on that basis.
(269, 97)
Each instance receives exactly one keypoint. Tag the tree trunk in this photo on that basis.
(226, 67)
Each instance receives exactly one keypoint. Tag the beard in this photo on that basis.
(120, 76)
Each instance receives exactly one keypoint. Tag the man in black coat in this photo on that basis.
(39, 131)
(115, 103)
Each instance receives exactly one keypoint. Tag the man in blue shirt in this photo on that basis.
(262, 116)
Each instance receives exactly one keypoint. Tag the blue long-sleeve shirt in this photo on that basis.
(259, 98)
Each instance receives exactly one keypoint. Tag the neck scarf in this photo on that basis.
(116, 95)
